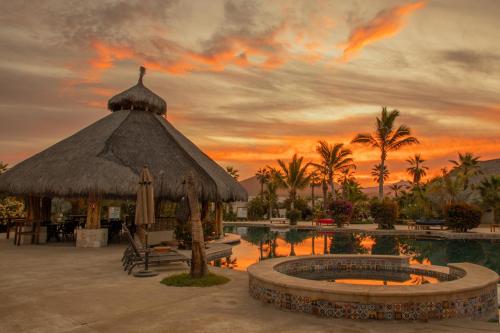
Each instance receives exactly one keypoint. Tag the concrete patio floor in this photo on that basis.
(60, 288)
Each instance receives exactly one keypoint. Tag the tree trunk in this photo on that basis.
(261, 191)
(198, 255)
(312, 197)
(325, 194)
(312, 245)
(332, 186)
(270, 213)
(381, 180)
(218, 219)
(292, 249)
(93, 212)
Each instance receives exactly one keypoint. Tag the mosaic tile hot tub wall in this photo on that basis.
(479, 303)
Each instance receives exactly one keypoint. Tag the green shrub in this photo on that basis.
(294, 216)
(385, 213)
(341, 211)
(462, 216)
(361, 213)
(301, 205)
(185, 280)
(256, 209)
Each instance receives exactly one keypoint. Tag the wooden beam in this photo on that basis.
(46, 211)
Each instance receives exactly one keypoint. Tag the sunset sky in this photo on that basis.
(253, 81)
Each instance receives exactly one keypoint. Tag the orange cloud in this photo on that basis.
(105, 56)
(386, 24)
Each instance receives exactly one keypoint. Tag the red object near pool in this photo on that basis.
(324, 221)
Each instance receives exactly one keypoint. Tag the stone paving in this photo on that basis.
(60, 288)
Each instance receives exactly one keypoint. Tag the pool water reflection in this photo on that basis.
(260, 243)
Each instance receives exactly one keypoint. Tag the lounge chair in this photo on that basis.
(135, 255)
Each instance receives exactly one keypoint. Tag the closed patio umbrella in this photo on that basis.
(145, 207)
(144, 215)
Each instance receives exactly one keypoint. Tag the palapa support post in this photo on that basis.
(33, 211)
(199, 266)
(33, 214)
(218, 219)
(46, 210)
(93, 212)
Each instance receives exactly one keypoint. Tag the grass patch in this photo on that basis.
(185, 280)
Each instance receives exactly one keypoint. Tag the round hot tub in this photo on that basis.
(375, 287)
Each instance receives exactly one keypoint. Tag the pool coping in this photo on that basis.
(472, 294)
(476, 277)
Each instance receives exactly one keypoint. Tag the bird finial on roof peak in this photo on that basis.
(142, 72)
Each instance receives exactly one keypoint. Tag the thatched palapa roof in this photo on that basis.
(107, 157)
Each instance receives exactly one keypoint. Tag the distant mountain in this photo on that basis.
(252, 186)
(372, 191)
(489, 168)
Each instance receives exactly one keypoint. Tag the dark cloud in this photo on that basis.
(471, 60)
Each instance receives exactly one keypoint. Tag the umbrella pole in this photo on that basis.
(146, 272)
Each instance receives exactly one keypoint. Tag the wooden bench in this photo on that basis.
(427, 224)
(494, 226)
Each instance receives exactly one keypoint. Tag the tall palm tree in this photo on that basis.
(417, 170)
(386, 138)
(262, 176)
(467, 166)
(334, 158)
(293, 176)
(380, 173)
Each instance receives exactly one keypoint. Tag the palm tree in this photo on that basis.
(235, 173)
(262, 176)
(380, 173)
(293, 176)
(333, 158)
(314, 181)
(489, 188)
(271, 188)
(467, 166)
(397, 188)
(386, 138)
(416, 169)
(345, 178)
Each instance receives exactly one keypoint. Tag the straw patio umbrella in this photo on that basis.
(145, 207)
(145, 215)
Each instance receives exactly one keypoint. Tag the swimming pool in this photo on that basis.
(260, 243)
